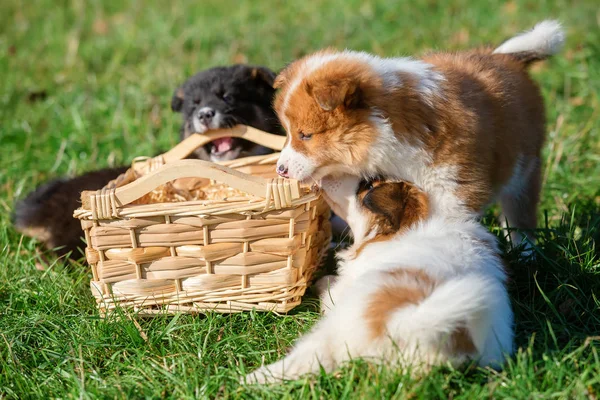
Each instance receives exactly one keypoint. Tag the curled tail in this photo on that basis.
(460, 313)
(544, 40)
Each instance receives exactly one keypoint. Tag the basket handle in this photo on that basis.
(192, 142)
(104, 202)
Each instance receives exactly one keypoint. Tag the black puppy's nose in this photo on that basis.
(206, 114)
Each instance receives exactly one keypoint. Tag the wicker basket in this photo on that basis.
(254, 243)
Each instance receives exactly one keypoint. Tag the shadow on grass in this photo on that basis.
(554, 295)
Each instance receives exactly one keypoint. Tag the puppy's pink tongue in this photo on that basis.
(223, 144)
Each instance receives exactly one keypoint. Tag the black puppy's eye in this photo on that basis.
(304, 136)
(227, 98)
(196, 101)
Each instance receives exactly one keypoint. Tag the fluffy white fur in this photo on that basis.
(458, 253)
(546, 38)
(388, 68)
(297, 164)
(393, 158)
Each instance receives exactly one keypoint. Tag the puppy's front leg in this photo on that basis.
(325, 289)
(310, 354)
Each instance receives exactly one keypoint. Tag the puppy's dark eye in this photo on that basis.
(196, 101)
(365, 185)
(227, 98)
(305, 136)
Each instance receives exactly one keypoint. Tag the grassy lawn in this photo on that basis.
(86, 84)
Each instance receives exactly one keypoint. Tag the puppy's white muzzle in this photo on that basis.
(295, 165)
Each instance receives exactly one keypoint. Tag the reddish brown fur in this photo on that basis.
(418, 285)
(461, 342)
(393, 208)
(493, 113)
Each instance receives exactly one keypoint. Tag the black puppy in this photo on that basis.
(219, 97)
(223, 97)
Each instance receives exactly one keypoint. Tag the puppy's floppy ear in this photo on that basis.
(330, 94)
(264, 74)
(177, 100)
(396, 205)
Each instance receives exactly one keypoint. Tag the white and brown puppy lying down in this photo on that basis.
(467, 127)
(416, 289)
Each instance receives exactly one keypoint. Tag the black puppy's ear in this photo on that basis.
(264, 74)
(177, 100)
(396, 205)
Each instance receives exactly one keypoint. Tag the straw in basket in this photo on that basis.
(252, 240)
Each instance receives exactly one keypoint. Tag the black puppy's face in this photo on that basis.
(223, 97)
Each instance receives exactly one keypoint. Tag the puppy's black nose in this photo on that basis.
(206, 114)
(282, 170)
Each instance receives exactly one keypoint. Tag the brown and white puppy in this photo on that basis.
(467, 127)
(416, 288)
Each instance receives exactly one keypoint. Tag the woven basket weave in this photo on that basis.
(254, 241)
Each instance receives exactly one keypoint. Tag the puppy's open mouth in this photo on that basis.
(223, 149)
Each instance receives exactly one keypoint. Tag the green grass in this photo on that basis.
(88, 84)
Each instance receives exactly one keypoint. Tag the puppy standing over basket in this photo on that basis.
(416, 289)
(466, 127)
(249, 240)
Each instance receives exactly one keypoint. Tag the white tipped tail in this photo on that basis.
(448, 307)
(545, 39)
(477, 303)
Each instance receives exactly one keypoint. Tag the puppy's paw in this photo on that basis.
(272, 373)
